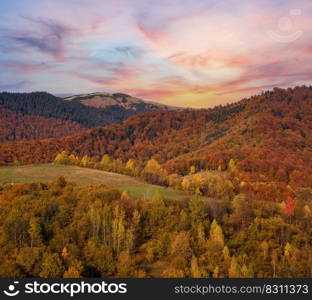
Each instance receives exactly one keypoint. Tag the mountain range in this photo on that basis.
(268, 135)
(39, 115)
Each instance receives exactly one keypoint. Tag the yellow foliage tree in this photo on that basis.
(234, 270)
(131, 167)
(154, 172)
(106, 163)
(86, 161)
(192, 170)
(62, 158)
(73, 159)
(216, 235)
(186, 184)
(196, 273)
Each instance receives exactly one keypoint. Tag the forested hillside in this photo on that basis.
(35, 110)
(269, 137)
(17, 126)
(61, 230)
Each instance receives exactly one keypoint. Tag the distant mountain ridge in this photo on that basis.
(75, 113)
(103, 100)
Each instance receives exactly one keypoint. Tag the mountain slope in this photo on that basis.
(77, 110)
(270, 137)
(17, 126)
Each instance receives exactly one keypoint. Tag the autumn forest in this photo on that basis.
(243, 170)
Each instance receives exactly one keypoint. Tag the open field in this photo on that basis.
(83, 176)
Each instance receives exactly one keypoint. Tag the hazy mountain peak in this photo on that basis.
(104, 99)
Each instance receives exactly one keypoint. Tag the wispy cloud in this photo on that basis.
(130, 51)
(46, 36)
(182, 52)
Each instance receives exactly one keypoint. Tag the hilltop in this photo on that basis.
(104, 100)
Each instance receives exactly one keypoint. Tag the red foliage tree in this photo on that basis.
(289, 209)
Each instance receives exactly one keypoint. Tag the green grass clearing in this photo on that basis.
(83, 176)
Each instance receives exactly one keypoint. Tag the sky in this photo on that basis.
(189, 53)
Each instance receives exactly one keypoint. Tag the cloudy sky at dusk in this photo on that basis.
(179, 52)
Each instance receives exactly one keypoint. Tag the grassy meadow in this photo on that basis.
(83, 176)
